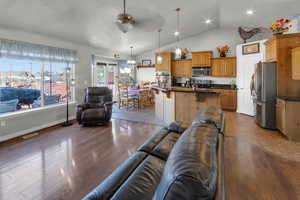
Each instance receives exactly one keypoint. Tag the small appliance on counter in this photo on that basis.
(181, 82)
(201, 71)
(163, 79)
(202, 83)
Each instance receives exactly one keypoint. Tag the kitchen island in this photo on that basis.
(182, 104)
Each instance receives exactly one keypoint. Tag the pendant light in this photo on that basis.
(159, 58)
(131, 61)
(177, 33)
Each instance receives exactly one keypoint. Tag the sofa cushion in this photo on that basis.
(191, 170)
(110, 185)
(163, 149)
(154, 140)
(142, 183)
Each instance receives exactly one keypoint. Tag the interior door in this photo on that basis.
(104, 75)
(245, 70)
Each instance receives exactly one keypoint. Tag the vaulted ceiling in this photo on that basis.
(91, 22)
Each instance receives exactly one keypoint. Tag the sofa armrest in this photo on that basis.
(108, 109)
(220, 191)
(79, 109)
(176, 127)
(109, 103)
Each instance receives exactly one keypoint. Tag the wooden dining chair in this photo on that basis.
(127, 100)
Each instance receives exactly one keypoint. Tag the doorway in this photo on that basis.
(104, 75)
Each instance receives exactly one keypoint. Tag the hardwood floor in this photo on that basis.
(66, 163)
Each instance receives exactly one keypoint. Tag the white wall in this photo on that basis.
(36, 119)
(295, 25)
(145, 74)
(207, 41)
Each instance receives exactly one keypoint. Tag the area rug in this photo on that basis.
(142, 115)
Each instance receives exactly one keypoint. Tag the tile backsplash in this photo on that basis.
(216, 80)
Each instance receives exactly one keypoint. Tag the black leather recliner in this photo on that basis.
(97, 106)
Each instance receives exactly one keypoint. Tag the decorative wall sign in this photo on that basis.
(146, 62)
(251, 48)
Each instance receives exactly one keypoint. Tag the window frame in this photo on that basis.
(46, 107)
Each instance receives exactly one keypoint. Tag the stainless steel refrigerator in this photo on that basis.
(266, 94)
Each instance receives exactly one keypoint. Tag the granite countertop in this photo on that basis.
(216, 86)
(188, 90)
(290, 98)
(223, 86)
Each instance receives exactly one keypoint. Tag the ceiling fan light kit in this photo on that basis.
(125, 22)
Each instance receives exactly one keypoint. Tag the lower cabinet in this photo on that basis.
(164, 106)
(287, 118)
(280, 115)
(188, 104)
(228, 99)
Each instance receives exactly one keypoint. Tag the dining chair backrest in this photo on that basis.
(123, 90)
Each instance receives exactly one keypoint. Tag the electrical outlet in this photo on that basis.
(3, 123)
(85, 82)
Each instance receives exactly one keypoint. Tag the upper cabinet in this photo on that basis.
(271, 50)
(279, 50)
(201, 59)
(182, 68)
(296, 63)
(165, 66)
(224, 67)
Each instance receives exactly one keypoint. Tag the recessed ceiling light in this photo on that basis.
(208, 21)
(176, 33)
(250, 12)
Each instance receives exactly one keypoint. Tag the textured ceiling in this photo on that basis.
(91, 22)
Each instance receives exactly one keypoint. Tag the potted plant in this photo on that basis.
(280, 26)
(223, 50)
(184, 52)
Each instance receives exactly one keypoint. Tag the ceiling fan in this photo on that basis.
(124, 21)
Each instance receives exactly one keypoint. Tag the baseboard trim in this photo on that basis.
(37, 128)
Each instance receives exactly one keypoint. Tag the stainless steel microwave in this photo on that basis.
(201, 71)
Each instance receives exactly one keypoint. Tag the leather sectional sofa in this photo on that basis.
(174, 164)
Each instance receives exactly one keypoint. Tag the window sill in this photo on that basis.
(11, 115)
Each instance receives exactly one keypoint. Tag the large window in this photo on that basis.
(32, 80)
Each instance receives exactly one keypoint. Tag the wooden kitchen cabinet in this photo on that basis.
(271, 50)
(280, 115)
(224, 67)
(296, 63)
(182, 68)
(201, 58)
(279, 50)
(228, 99)
(287, 118)
(188, 104)
(165, 66)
